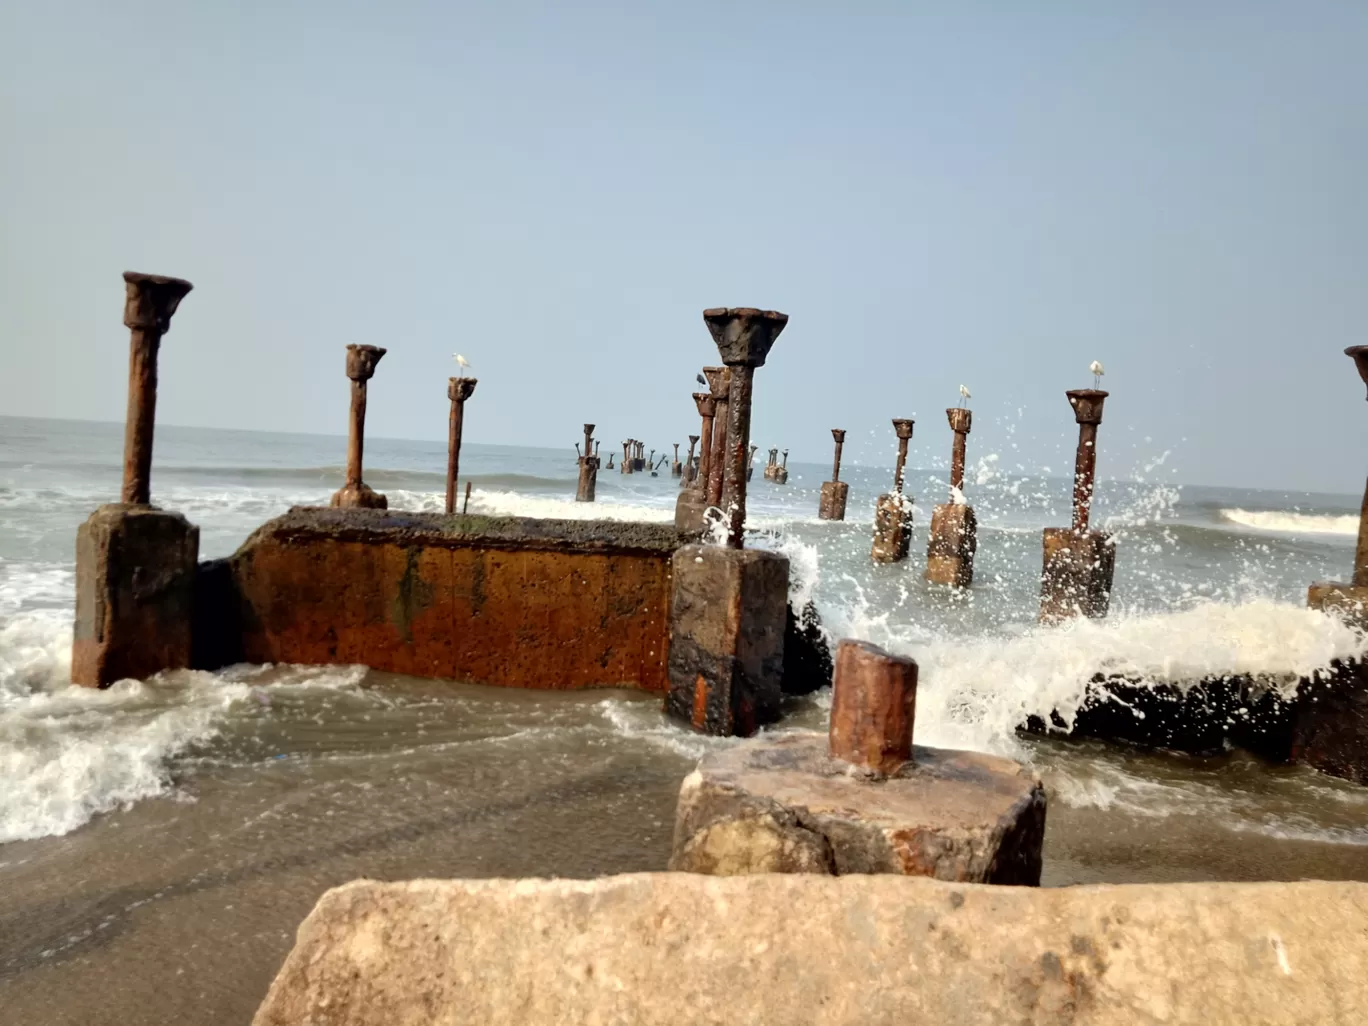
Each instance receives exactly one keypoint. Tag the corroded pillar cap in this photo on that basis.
(1087, 404)
(719, 382)
(361, 361)
(151, 300)
(461, 389)
(744, 334)
(903, 427)
(960, 419)
(838, 434)
(707, 405)
(1359, 354)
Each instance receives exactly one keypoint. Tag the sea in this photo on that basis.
(160, 840)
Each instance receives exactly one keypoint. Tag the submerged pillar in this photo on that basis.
(750, 462)
(854, 800)
(690, 467)
(676, 468)
(458, 391)
(744, 337)
(136, 564)
(1349, 601)
(361, 361)
(893, 511)
(832, 505)
(588, 468)
(770, 464)
(626, 465)
(719, 387)
(1076, 578)
(693, 500)
(781, 471)
(954, 528)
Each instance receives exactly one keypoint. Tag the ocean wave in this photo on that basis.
(1293, 523)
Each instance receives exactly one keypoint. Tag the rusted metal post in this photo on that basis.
(954, 526)
(744, 337)
(150, 301)
(361, 361)
(690, 467)
(893, 512)
(692, 505)
(781, 471)
(750, 462)
(832, 504)
(707, 409)
(873, 708)
(676, 468)
(1348, 601)
(719, 387)
(588, 468)
(626, 465)
(1359, 354)
(458, 391)
(1087, 405)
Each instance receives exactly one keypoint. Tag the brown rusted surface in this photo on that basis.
(588, 468)
(458, 391)
(892, 528)
(781, 471)
(902, 427)
(150, 301)
(1076, 579)
(727, 627)
(690, 464)
(961, 420)
(744, 337)
(873, 707)
(719, 387)
(506, 601)
(135, 580)
(832, 504)
(1087, 407)
(361, 361)
(676, 467)
(954, 540)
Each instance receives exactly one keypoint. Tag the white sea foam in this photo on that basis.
(505, 503)
(1293, 523)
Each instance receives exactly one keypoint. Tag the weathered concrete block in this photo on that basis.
(361, 496)
(1330, 726)
(892, 528)
(832, 504)
(135, 583)
(954, 540)
(808, 665)
(783, 805)
(1347, 601)
(727, 621)
(675, 949)
(1077, 575)
(689, 509)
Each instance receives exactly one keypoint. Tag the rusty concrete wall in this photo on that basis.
(492, 600)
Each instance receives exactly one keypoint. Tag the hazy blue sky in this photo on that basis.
(992, 193)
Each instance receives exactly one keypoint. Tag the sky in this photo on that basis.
(982, 193)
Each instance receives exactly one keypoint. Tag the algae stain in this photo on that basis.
(415, 595)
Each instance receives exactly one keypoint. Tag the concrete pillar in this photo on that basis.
(676, 468)
(1076, 577)
(832, 505)
(693, 501)
(1349, 601)
(744, 336)
(638, 456)
(588, 468)
(893, 511)
(690, 467)
(458, 391)
(771, 464)
(361, 361)
(954, 528)
(719, 387)
(750, 462)
(873, 705)
(626, 465)
(781, 471)
(727, 621)
(135, 564)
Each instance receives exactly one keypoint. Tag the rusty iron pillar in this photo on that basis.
(690, 466)
(781, 471)
(626, 465)
(1349, 601)
(588, 468)
(638, 456)
(771, 464)
(954, 527)
(676, 468)
(750, 462)
(832, 505)
(361, 361)
(719, 387)
(873, 708)
(1076, 574)
(150, 302)
(744, 337)
(893, 511)
(692, 503)
(458, 391)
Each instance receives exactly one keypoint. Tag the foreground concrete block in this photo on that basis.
(892, 528)
(1077, 576)
(727, 624)
(832, 504)
(685, 950)
(783, 805)
(954, 540)
(135, 583)
(1330, 723)
(689, 509)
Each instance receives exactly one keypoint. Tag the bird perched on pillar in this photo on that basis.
(1097, 372)
(461, 361)
(964, 395)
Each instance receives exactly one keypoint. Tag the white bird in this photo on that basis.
(461, 361)
(1097, 372)
(964, 394)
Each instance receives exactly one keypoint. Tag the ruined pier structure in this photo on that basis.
(588, 466)
(954, 528)
(509, 601)
(1349, 600)
(893, 511)
(832, 504)
(1076, 578)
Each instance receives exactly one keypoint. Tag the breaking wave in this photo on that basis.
(1293, 523)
